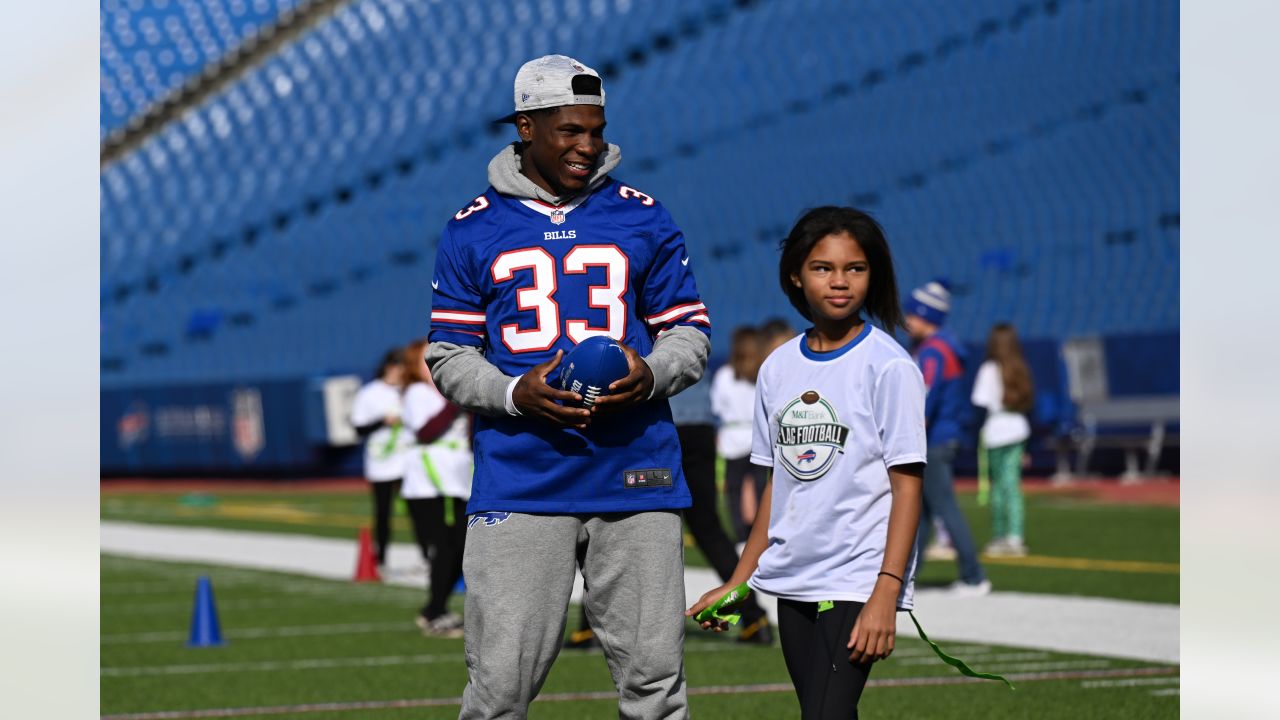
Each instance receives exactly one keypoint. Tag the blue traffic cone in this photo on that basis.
(205, 631)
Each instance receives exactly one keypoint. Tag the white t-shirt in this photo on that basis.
(831, 425)
(384, 448)
(733, 402)
(1002, 427)
(443, 467)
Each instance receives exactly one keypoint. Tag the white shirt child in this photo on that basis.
(384, 449)
(831, 425)
(443, 467)
(733, 402)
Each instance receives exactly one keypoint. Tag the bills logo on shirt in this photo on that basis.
(810, 435)
(488, 519)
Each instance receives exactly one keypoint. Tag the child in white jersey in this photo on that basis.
(375, 413)
(437, 485)
(839, 420)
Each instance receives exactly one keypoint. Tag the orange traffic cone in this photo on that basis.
(366, 563)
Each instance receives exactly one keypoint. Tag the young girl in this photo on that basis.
(375, 413)
(437, 485)
(840, 420)
(1004, 389)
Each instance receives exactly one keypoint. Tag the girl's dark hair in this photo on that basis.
(882, 301)
(394, 356)
(1003, 347)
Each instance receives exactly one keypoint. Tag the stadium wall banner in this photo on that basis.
(233, 428)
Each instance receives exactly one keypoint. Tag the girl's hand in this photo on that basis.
(710, 599)
(875, 628)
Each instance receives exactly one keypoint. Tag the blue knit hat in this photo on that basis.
(931, 301)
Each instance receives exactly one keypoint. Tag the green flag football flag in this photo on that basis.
(956, 663)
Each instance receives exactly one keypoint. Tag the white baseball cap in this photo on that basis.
(553, 81)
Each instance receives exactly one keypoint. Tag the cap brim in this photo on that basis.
(507, 119)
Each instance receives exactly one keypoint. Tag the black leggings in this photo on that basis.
(813, 645)
(441, 547)
(384, 497)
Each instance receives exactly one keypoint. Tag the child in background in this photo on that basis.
(375, 413)
(1003, 387)
(437, 485)
(733, 391)
(839, 418)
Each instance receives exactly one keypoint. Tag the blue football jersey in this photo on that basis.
(521, 279)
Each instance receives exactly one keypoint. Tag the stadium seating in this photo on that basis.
(1028, 151)
(149, 49)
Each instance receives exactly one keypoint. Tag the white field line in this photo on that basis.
(1130, 682)
(184, 607)
(1046, 666)
(931, 658)
(432, 658)
(327, 663)
(1165, 692)
(1032, 621)
(261, 632)
(547, 698)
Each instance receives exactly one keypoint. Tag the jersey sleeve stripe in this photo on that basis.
(700, 318)
(674, 312)
(455, 316)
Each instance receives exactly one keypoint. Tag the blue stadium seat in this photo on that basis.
(1027, 150)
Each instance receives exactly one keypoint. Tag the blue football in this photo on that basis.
(591, 366)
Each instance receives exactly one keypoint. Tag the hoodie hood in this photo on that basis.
(506, 178)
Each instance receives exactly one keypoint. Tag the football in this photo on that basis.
(591, 366)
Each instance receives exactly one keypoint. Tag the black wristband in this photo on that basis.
(895, 577)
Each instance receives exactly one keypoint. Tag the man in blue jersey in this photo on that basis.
(941, 361)
(556, 251)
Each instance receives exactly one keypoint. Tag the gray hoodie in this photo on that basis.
(466, 377)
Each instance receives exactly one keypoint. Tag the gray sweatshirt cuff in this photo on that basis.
(678, 359)
(467, 378)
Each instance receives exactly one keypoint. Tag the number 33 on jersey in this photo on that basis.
(521, 279)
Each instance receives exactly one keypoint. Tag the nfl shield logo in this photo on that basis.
(557, 217)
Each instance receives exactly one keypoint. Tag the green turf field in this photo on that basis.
(294, 641)
(1079, 545)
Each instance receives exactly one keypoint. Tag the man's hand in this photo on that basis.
(535, 398)
(874, 630)
(633, 389)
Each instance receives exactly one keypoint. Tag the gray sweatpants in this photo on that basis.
(520, 573)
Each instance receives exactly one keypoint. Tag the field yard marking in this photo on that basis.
(1048, 666)
(288, 514)
(329, 663)
(432, 658)
(265, 512)
(184, 606)
(932, 659)
(1166, 692)
(261, 632)
(611, 694)
(1130, 682)
(1074, 563)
